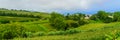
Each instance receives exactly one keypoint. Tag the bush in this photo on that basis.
(82, 22)
(51, 33)
(57, 21)
(108, 20)
(71, 24)
(9, 35)
(71, 31)
(39, 34)
(4, 21)
(60, 32)
(102, 16)
(57, 33)
(114, 35)
(28, 34)
(9, 31)
(116, 16)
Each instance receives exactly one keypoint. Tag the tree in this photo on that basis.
(116, 16)
(94, 17)
(80, 18)
(101, 16)
(57, 21)
(10, 31)
(71, 24)
(67, 16)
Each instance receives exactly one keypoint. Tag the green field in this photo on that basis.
(95, 31)
(31, 25)
(17, 18)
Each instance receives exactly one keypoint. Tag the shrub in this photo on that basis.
(60, 32)
(8, 35)
(71, 24)
(82, 22)
(39, 34)
(9, 31)
(57, 21)
(28, 34)
(51, 33)
(102, 16)
(57, 33)
(71, 31)
(108, 20)
(114, 35)
(116, 16)
(4, 21)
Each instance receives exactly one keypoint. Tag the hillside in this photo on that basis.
(95, 31)
(31, 25)
(13, 12)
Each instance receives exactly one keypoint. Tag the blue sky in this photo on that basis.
(63, 6)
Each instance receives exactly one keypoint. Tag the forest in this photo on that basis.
(33, 25)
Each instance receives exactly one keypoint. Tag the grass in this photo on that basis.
(32, 24)
(17, 18)
(94, 31)
(96, 26)
(36, 26)
(28, 23)
(43, 14)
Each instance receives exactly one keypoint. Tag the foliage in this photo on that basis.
(57, 21)
(7, 19)
(101, 16)
(9, 31)
(4, 21)
(94, 17)
(71, 24)
(28, 34)
(78, 17)
(116, 16)
(75, 16)
(70, 31)
(114, 35)
(39, 34)
(98, 34)
(22, 23)
(9, 13)
(83, 22)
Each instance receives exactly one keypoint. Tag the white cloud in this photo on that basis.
(48, 4)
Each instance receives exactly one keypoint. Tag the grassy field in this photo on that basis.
(94, 31)
(37, 26)
(29, 25)
(44, 14)
(17, 19)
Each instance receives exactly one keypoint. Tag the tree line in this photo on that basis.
(64, 22)
(17, 14)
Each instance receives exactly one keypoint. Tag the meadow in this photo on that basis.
(30, 25)
(96, 31)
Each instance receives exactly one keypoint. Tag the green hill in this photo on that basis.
(95, 31)
(32, 25)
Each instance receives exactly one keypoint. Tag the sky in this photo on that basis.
(63, 6)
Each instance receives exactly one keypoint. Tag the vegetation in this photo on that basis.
(98, 31)
(30, 25)
(57, 21)
(102, 16)
(116, 16)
